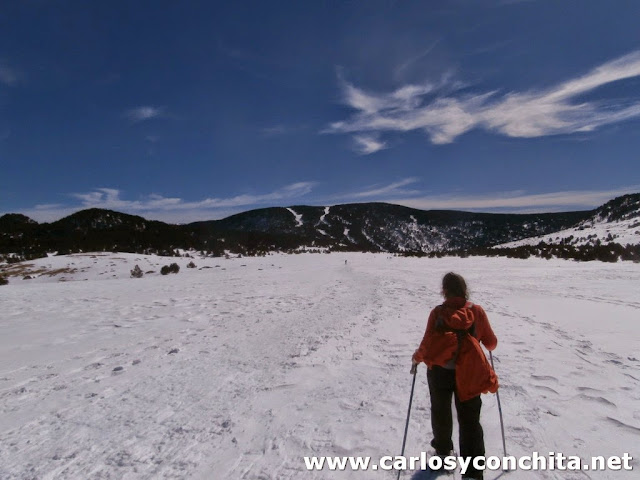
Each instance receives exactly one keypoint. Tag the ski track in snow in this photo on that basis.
(239, 371)
(297, 216)
(323, 216)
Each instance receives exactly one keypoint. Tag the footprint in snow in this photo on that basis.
(544, 378)
(19, 391)
(624, 426)
(522, 436)
(93, 366)
(589, 389)
(600, 400)
(544, 388)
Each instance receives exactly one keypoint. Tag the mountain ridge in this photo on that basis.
(371, 227)
(617, 221)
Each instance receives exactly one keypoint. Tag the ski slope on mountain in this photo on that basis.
(239, 368)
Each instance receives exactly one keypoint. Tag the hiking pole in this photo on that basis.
(414, 370)
(504, 444)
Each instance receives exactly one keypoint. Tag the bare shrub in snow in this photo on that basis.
(136, 272)
(173, 268)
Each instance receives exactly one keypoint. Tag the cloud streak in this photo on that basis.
(172, 209)
(176, 210)
(9, 75)
(110, 198)
(280, 130)
(395, 188)
(444, 116)
(140, 114)
(516, 200)
(367, 144)
(407, 63)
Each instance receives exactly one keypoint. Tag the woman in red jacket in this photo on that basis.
(441, 350)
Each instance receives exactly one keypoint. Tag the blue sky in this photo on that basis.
(184, 111)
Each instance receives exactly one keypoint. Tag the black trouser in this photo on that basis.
(442, 386)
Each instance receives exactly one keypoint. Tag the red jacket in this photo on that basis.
(439, 347)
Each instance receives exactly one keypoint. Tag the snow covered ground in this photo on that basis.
(239, 370)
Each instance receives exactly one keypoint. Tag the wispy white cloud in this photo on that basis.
(516, 200)
(110, 198)
(509, 201)
(382, 191)
(169, 208)
(367, 144)
(274, 130)
(49, 206)
(176, 210)
(10, 76)
(403, 99)
(407, 63)
(281, 129)
(444, 116)
(140, 114)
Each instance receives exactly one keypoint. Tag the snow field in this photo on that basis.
(239, 370)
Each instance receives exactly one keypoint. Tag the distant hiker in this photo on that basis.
(457, 367)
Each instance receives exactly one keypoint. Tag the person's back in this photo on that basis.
(452, 369)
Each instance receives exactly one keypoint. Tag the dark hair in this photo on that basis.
(453, 285)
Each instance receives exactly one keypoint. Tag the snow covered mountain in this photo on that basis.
(366, 227)
(393, 228)
(617, 221)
